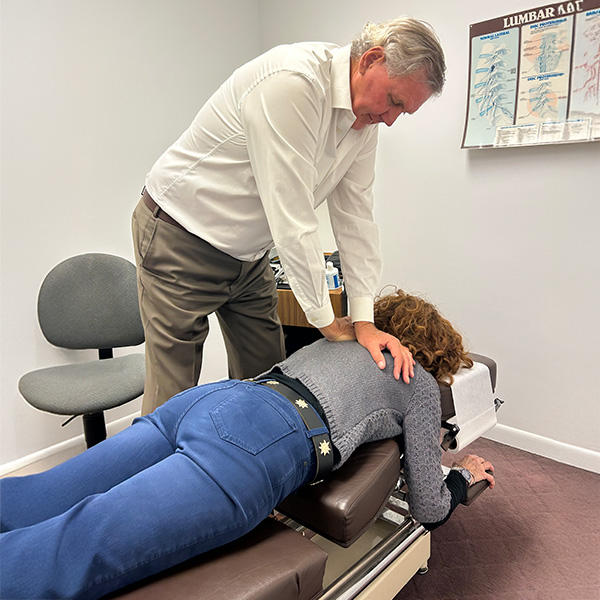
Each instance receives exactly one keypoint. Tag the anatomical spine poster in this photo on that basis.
(534, 77)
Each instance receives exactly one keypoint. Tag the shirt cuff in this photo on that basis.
(321, 317)
(361, 309)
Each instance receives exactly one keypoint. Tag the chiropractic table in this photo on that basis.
(348, 537)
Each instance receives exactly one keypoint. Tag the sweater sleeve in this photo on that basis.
(429, 497)
(457, 485)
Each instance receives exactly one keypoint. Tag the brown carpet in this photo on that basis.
(535, 536)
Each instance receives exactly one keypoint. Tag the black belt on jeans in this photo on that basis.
(312, 420)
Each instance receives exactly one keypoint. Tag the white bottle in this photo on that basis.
(332, 276)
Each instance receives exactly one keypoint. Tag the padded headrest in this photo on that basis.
(446, 391)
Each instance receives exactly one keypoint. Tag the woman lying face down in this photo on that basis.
(210, 464)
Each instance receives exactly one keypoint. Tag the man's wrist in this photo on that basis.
(322, 317)
(363, 328)
(328, 330)
(361, 309)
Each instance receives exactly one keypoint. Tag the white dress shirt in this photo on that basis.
(272, 144)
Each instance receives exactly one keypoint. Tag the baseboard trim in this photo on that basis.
(68, 446)
(543, 446)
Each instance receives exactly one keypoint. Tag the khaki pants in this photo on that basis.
(181, 280)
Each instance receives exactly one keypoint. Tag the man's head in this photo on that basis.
(395, 67)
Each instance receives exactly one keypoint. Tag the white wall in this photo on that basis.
(92, 92)
(506, 242)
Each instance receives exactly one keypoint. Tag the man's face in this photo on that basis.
(379, 98)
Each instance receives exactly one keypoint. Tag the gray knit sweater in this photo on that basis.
(363, 403)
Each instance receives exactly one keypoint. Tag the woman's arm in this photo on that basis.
(464, 473)
(431, 497)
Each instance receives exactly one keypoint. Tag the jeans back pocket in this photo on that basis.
(252, 421)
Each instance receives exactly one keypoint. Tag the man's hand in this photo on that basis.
(340, 330)
(375, 340)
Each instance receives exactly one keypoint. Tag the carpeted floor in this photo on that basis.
(535, 536)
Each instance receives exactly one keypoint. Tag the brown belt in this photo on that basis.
(159, 213)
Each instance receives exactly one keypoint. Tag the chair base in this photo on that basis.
(94, 428)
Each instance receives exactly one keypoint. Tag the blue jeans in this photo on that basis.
(202, 470)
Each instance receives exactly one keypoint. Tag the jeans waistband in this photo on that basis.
(317, 431)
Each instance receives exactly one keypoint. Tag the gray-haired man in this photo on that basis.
(287, 131)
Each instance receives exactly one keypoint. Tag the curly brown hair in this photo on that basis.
(431, 338)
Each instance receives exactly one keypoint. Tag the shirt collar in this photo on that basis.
(340, 78)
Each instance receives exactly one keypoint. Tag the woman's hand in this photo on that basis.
(375, 340)
(477, 466)
(340, 330)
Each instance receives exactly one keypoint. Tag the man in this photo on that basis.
(287, 131)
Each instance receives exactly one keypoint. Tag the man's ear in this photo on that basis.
(371, 56)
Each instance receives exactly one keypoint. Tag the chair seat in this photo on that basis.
(85, 388)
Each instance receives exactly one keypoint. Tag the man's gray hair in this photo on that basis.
(410, 46)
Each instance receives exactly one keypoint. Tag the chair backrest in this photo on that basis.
(90, 301)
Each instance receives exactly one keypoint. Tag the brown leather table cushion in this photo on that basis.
(351, 498)
(273, 562)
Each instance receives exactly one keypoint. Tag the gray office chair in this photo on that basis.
(89, 302)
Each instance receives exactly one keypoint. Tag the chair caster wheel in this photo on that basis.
(423, 570)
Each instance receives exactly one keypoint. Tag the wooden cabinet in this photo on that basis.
(290, 312)
(297, 330)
